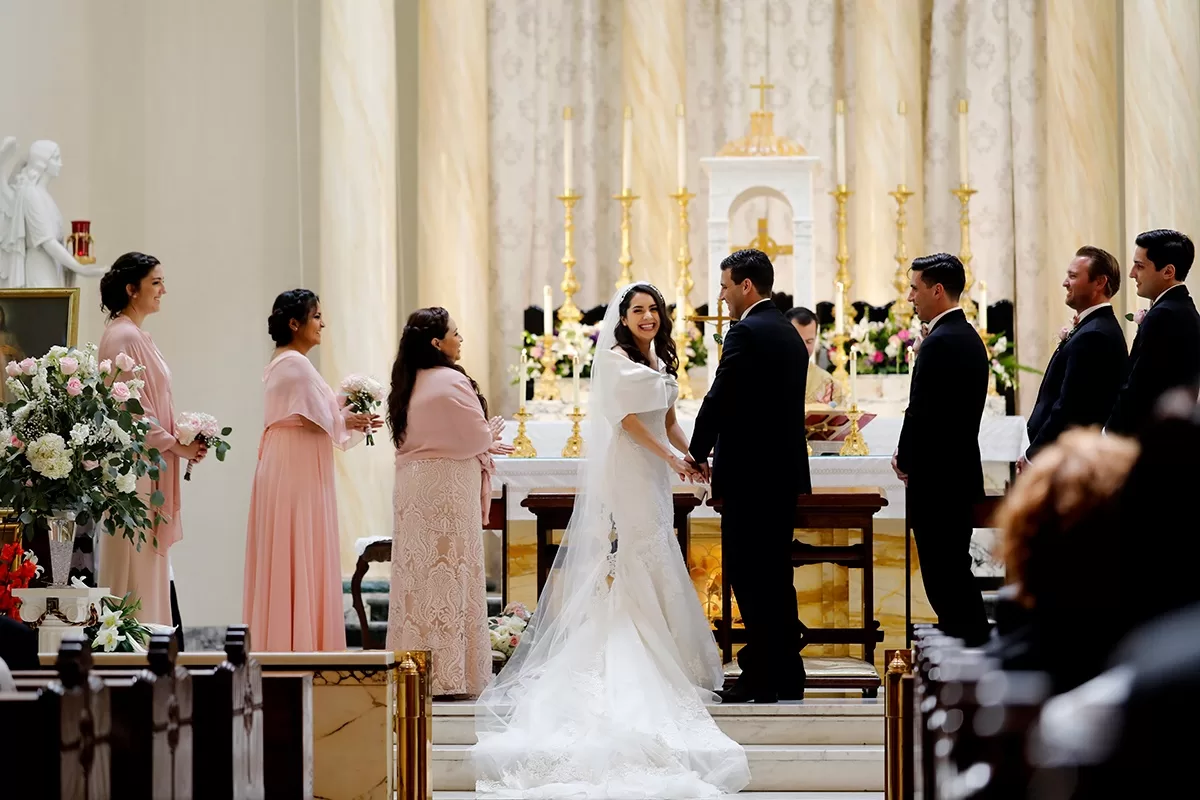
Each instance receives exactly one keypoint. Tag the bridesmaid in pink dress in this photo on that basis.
(131, 291)
(293, 592)
(444, 444)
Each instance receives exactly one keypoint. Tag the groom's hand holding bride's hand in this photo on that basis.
(701, 471)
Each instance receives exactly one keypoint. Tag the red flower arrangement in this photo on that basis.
(16, 568)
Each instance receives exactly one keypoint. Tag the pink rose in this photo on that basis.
(68, 365)
(74, 387)
(513, 641)
(29, 366)
(1139, 315)
(13, 369)
(16, 442)
(904, 334)
(878, 357)
(125, 363)
(105, 366)
(1064, 332)
(120, 392)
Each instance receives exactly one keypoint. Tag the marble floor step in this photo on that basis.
(832, 721)
(744, 795)
(773, 768)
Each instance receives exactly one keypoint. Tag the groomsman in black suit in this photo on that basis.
(1166, 350)
(1087, 370)
(937, 458)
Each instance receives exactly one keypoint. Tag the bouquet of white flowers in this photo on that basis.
(116, 629)
(363, 395)
(73, 442)
(506, 630)
(192, 426)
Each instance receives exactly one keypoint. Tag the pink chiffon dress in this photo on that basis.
(293, 587)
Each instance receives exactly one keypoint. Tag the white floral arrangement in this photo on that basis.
(73, 440)
(116, 629)
(191, 426)
(363, 395)
(507, 628)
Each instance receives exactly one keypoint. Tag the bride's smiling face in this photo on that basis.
(642, 317)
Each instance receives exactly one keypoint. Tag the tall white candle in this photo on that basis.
(680, 147)
(840, 144)
(964, 176)
(854, 376)
(524, 380)
(983, 304)
(909, 357)
(568, 150)
(839, 315)
(575, 377)
(903, 111)
(627, 152)
(547, 310)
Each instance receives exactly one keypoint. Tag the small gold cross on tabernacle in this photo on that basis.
(765, 243)
(762, 86)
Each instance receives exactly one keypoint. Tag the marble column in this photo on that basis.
(452, 174)
(653, 70)
(1162, 123)
(1083, 179)
(887, 64)
(358, 237)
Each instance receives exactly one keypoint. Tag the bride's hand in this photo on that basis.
(682, 469)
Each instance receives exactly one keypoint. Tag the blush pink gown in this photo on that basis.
(123, 567)
(438, 597)
(293, 588)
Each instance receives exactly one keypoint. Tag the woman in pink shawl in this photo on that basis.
(131, 291)
(444, 444)
(293, 587)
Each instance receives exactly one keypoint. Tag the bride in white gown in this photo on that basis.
(604, 697)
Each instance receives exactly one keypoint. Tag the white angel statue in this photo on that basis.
(32, 253)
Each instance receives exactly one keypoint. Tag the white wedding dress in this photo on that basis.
(604, 697)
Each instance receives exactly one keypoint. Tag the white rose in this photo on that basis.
(80, 433)
(127, 482)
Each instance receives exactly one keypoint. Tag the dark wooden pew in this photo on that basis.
(228, 724)
(62, 727)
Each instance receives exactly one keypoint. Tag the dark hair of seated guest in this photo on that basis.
(18, 645)
(1062, 547)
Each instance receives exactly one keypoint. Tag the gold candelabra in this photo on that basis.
(626, 260)
(568, 314)
(902, 310)
(855, 444)
(547, 382)
(840, 360)
(684, 282)
(841, 194)
(963, 193)
(522, 445)
(574, 446)
(680, 335)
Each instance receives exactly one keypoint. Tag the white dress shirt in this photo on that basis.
(751, 308)
(1083, 314)
(938, 318)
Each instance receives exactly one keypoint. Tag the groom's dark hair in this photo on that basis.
(942, 268)
(752, 264)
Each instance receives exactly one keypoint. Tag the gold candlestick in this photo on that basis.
(680, 335)
(840, 360)
(574, 446)
(522, 445)
(901, 311)
(626, 260)
(841, 194)
(855, 444)
(993, 390)
(963, 193)
(568, 314)
(684, 282)
(547, 382)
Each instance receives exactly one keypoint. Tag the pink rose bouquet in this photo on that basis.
(191, 426)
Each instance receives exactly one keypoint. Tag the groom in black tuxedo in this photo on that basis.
(1166, 350)
(753, 416)
(1087, 370)
(937, 457)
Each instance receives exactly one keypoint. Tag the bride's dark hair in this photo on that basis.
(417, 353)
(664, 345)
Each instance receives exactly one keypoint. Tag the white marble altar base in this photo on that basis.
(74, 604)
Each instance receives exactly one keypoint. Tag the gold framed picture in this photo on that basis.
(34, 320)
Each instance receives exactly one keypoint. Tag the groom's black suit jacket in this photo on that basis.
(939, 443)
(754, 411)
(1165, 356)
(1082, 379)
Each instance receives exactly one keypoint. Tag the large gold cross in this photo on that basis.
(765, 243)
(762, 86)
(720, 319)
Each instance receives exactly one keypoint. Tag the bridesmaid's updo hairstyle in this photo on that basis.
(417, 353)
(126, 271)
(294, 304)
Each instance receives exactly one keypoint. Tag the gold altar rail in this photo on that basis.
(898, 715)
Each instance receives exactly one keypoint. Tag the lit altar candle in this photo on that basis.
(909, 357)
(681, 147)
(840, 131)
(627, 152)
(547, 311)
(524, 380)
(854, 376)
(839, 317)
(568, 147)
(964, 177)
(903, 111)
(983, 302)
(575, 377)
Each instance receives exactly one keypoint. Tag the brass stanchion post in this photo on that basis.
(897, 745)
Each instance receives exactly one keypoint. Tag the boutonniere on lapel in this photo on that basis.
(1067, 331)
(1137, 317)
